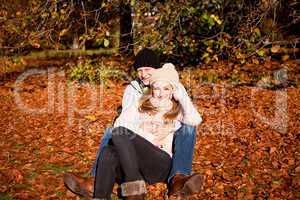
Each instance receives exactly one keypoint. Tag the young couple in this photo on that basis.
(151, 141)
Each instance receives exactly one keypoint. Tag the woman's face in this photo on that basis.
(162, 90)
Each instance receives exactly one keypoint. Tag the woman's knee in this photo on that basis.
(120, 134)
(108, 155)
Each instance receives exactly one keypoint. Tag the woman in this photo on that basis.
(140, 149)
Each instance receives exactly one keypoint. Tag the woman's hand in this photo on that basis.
(178, 94)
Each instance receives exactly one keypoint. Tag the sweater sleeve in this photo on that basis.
(190, 114)
(130, 97)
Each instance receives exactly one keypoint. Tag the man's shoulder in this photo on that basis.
(133, 86)
(131, 94)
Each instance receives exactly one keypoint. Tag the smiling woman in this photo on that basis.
(159, 98)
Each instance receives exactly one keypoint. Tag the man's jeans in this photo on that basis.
(183, 150)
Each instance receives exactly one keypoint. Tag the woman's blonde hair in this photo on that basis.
(145, 106)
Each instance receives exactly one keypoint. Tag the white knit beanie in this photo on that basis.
(166, 73)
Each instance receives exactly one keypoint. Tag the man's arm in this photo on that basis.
(130, 97)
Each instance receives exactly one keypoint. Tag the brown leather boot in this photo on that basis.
(78, 185)
(184, 186)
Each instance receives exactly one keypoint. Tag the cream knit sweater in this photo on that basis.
(152, 127)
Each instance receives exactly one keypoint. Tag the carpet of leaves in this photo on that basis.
(247, 146)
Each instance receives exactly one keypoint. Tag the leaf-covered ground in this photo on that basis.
(247, 146)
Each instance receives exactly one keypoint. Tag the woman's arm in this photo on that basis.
(190, 114)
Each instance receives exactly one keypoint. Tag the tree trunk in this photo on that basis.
(126, 35)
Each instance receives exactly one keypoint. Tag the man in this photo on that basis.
(180, 182)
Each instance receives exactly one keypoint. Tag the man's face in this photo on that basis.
(162, 90)
(144, 74)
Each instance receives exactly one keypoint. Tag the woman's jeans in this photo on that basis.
(129, 157)
(183, 149)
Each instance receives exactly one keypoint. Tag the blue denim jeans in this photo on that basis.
(183, 150)
(105, 139)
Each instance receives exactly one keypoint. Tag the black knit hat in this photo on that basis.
(146, 58)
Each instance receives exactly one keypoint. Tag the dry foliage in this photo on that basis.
(241, 155)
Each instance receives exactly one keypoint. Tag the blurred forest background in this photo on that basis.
(190, 32)
(233, 55)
